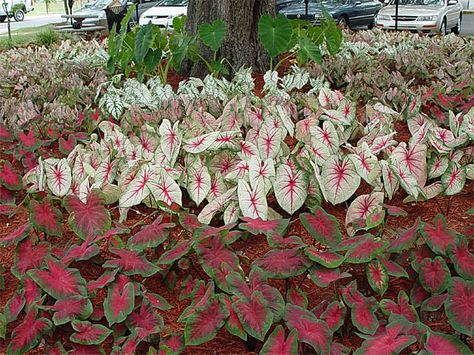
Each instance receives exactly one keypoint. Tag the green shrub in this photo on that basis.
(47, 37)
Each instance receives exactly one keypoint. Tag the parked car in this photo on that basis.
(353, 13)
(429, 16)
(16, 9)
(163, 12)
(281, 4)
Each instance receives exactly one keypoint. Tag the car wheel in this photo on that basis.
(442, 29)
(19, 15)
(342, 22)
(457, 28)
(3, 18)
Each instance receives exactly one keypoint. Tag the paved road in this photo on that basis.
(30, 21)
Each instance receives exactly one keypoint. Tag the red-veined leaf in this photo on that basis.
(233, 324)
(201, 143)
(45, 217)
(365, 250)
(14, 306)
(414, 159)
(259, 226)
(9, 177)
(32, 291)
(322, 276)
(326, 258)
(58, 281)
(282, 264)
(29, 256)
(90, 218)
(326, 135)
(442, 344)
(339, 180)
(290, 188)
(176, 252)
(434, 275)
(418, 254)
(259, 282)
(131, 263)
(16, 236)
(81, 252)
(277, 345)
(454, 179)
(393, 269)
(175, 342)
(418, 294)
(170, 141)
(151, 235)
(215, 205)
(362, 309)
(460, 305)
(402, 307)
(120, 301)
(363, 206)
(269, 142)
(322, 226)
(404, 238)
(189, 221)
(390, 181)
(434, 303)
(310, 330)
(88, 333)
(103, 280)
(145, 321)
(377, 276)
(157, 301)
(70, 308)
(334, 315)
(463, 259)
(405, 178)
(252, 202)
(297, 297)
(199, 183)
(438, 236)
(203, 325)
(254, 315)
(139, 188)
(165, 189)
(58, 176)
(28, 334)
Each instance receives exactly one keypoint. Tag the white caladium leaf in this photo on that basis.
(291, 188)
(106, 172)
(226, 140)
(84, 190)
(199, 183)
(285, 118)
(413, 107)
(421, 135)
(232, 213)
(339, 179)
(215, 205)
(165, 189)
(224, 162)
(441, 139)
(453, 179)
(201, 143)
(384, 109)
(78, 169)
(405, 178)
(218, 186)
(319, 152)
(204, 120)
(427, 192)
(303, 129)
(363, 206)
(252, 202)
(382, 142)
(170, 140)
(240, 172)
(437, 165)
(139, 188)
(348, 110)
(414, 159)
(455, 122)
(335, 116)
(113, 104)
(326, 97)
(58, 176)
(327, 135)
(261, 170)
(366, 164)
(390, 181)
(133, 152)
(231, 118)
(247, 150)
(417, 121)
(269, 142)
(456, 155)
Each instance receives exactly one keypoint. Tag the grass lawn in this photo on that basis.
(56, 7)
(25, 36)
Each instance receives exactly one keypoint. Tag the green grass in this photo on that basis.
(56, 7)
(25, 36)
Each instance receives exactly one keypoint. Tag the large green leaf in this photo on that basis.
(212, 34)
(275, 34)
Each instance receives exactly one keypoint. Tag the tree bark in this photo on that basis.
(241, 46)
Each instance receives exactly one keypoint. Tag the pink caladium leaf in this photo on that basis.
(326, 258)
(395, 210)
(254, 315)
(460, 305)
(88, 333)
(439, 343)
(391, 341)
(418, 294)
(32, 291)
(59, 281)
(269, 142)
(322, 276)
(454, 178)
(202, 325)
(377, 276)
(145, 321)
(151, 235)
(175, 342)
(310, 330)
(85, 251)
(418, 254)
(16, 236)
(362, 309)
(463, 259)
(290, 188)
(322, 226)
(334, 315)
(29, 256)
(67, 145)
(434, 275)
(5, 134)
(366, 249)
(297, 297)
(68, 309)
(176, 252)
(252, 202)
(404, 238)
(238, 286)
(89, 218)
(259, 282)
(103, 280)
(259, 226)
(402, 307)
(276, 343)
(189, 221)
(339, 180)
(45, 217)
(9, 177)
(233, 324)
(434, 303)
(414, 158)
(438, 236)
(393, 269)
(131, 263)
(199, 183)
(28, 334)
(14, 306)
(120, 300)
(58, 176)
(363, 206)
(282, 264)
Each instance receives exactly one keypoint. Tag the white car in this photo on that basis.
(428, 16)
(163, 12)
(16, 8)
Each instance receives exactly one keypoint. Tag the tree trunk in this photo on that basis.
(241, 46)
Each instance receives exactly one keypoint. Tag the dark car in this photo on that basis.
(353, 13)
(281, 4)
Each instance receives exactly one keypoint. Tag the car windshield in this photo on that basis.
(418, 2)
(172, 3)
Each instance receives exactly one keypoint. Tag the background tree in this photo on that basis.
(241, 46)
